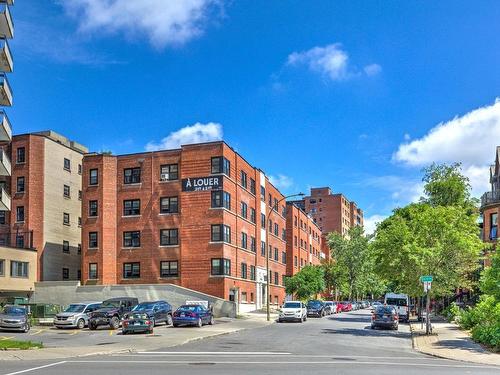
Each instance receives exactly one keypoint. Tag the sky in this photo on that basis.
(355, 95)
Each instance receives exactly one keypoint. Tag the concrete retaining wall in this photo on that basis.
(66, 292)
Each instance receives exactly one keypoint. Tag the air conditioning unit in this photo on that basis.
(164, 177)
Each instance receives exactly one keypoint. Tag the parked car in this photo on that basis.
(111, 312)
(332, 306)
(137, 321)
(192, 315)
(158, 311)
(15, 318)
(339, 307)
(293, 310)
(346, 306)
(402, 304)
(375, 304)
(76, 315)
(316, 308)
(385, 317)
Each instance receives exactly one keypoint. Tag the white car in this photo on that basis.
(293, 311)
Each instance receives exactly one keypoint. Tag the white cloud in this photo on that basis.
(196, 133)
(281, 181)
(402, 190)
(331, 61)
(470, 139)
(370, 223)
(163, 22)
(407, 137)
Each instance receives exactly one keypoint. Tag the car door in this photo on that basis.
(162, 312)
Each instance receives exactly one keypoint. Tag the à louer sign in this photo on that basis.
(202, 183)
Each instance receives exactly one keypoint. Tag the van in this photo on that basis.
(402, 304)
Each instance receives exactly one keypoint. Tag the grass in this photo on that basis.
(21, 345)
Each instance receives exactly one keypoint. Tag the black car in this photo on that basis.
(316, 308)
(158, 311)
(111, 312)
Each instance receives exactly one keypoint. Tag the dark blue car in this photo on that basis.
(192, 315)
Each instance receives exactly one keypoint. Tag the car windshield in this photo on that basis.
(12, 310)
(329, 303)
(111, 304)
(144, 306)
(385, 310)
(314, 303)
(138, 316)
(189, 308)
(75, 308)
(397, 301)
(292, 305)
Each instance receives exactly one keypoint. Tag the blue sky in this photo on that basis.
(355, 95)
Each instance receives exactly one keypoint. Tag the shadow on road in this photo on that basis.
(366, 332)
(361, 319)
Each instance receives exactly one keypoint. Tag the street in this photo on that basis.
(342, 343)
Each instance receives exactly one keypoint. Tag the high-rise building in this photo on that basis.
(195, 216)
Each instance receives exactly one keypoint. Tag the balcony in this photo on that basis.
(5, 91)
(5, 128)
(4, 200)
(6, 25)
(490, 198)
(5, 165)
(6, 61)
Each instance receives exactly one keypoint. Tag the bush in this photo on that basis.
(452, 312)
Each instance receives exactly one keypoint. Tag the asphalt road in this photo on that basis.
(341, 344)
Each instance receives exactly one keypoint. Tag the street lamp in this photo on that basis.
(268, 220)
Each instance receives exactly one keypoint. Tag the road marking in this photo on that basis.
(39, 331)
(76, 331)
(111, 332)
(36, 368)
(214, 353)
(292, 363)
(3, 338)
(264, 354)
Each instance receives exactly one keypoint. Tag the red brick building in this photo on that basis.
(193, 216)
(303, 240)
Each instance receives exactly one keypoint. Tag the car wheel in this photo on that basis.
(199, 323)
(169, 320)
(211, 321)
(154, 322)
(80, 324)
(302, 319)
(124, 333)
(114, 323)
(92, 326)
(175, 325)
(305, 318)
(26, 328)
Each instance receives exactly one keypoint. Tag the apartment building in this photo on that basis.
(303, 240)
(45, 188)
(195, 216)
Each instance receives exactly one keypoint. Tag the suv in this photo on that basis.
(111, 312)
(158, 311)
(293, 310)
(76, 315)
(316, 308)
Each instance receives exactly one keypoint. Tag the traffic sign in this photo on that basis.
(424, 279)
(427, 286)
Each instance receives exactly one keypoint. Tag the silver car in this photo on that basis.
(14, 318)
(76, 315)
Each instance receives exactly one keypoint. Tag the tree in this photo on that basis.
(490, 279)
(335, 277)
(350, 255)
(307, 282)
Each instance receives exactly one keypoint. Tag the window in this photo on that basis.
(79, 221)
(79, 251)
(252, 273)
(270, 252)
(20, 214)
(67, 164)
(19, 269)
(221, 233)
(244, 240)
(93, 240)
(2, 267)
(276, 229)
(93, 177)
(276, 278)
(79, 169)
(79, 274)
(221, 199)
(65, 273)
(244, 209)
(79, 195)
(66, 247)
(2, 217)
(67, 191)
(169, 205)
(66, 218)
(131, 207)
(169, 268)
(169, 237)
(283, 257)
(93, 271)
(132, 270)
(20, 185)
(263, 221)
(493, 226)
(262, 248)
(243, 179)
(253, 246)
(21, 155)
(270, 199)
(270, 226)
(221, 165)
(252, 215)
(244, 271)
(93, 208)
(243, 296)
(262, 193)
(295, 262)
(132, 239)
(275, 205)
(276, 254)
(169, 172)
(20, 241)
(221, 266)
(295, 221)
(252, 186)
(283, 234)
(132, 175)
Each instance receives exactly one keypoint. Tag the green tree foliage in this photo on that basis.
(335, 277)
(309, 281)
(490, 279)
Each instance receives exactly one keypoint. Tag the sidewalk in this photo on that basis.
(450, 342)
(174, 337)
